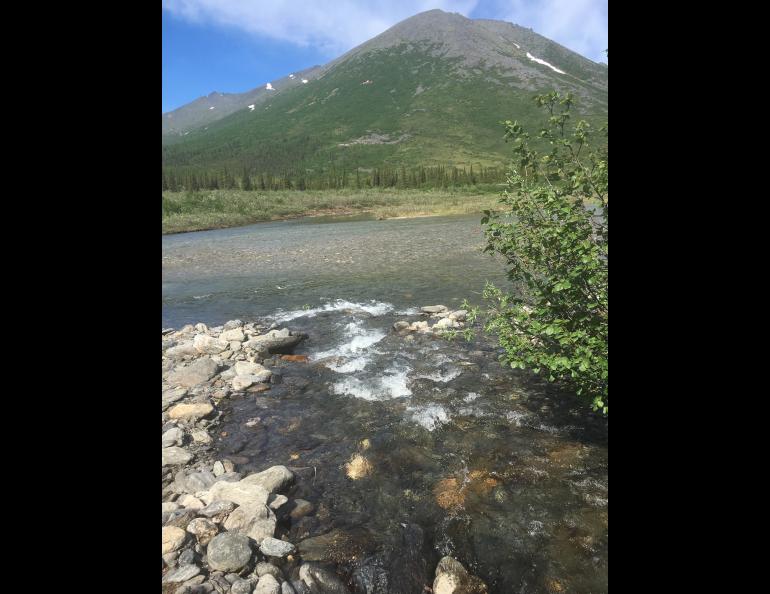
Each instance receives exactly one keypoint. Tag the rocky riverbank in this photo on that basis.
(226, 531)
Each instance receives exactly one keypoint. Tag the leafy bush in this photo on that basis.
(553, 236)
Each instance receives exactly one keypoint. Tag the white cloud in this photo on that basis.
(333, 26)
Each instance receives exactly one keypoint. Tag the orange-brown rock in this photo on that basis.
(295, 358)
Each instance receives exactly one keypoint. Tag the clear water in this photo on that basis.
(494, 466)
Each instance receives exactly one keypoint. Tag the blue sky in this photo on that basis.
(235, 45)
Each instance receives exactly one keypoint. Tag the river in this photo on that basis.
(467, 457)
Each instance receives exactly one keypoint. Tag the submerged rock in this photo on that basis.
(453, 578)
(321, 580)
(358, 467)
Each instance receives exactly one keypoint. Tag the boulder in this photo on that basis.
(172, 437)
(173, 538)
(431, 309)
(273, 480)
(193, 410)
(275, 341)
(194, 374)
(228, 552)
(241, 493)
(272, 547)
(174, 455)
(267, 585)
(236, 334)
(453, 578)
(254, 520)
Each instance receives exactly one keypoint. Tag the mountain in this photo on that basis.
(430, 90)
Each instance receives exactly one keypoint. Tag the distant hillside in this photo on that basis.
(429, 91)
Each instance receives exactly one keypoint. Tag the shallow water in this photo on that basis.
(467, 458)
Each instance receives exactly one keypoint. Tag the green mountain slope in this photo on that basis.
(431, 90)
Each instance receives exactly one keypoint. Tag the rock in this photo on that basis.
(203, 529)
(275, 341)
(228, 551)
(295, 358)
(175, 455)
(242, 492)
(268, 568)
(267, 585)
(181, 518)
(358, 467)
(193, 410)
(190, 502)
(173, 538)
(193, 482)
(286, 588)
(300, 587)
(171, 396)
(208, 345)
(221, 585)
(172, 437)
(242, 587)
(201, 436)
(180, 351)
(181, 574)
(248, 368)
(230, 477)
(257, 521)
(398, 326)
(273, 480)
(196, 373)
(169, 506)
(339, 545)
(419, 327)
(233, 324)
(236, 334)
(170, 559)
(272, 547)
(187, 557)
(241, 382)
(301, 508)
(217, 508)
(219, 468)
(235, 346)
(275, 502)
(445, 323)
(452, 578)
(433, 309)
(459, 315)
(319, 579)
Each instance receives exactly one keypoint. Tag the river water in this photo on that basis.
(465, 457)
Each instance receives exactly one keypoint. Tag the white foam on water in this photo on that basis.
(471, 397)
(429, 417)
(544, 63)
(269, 87)
(251, 107)
(212, 107)
(201, 296)
(374, 308)
(442, 376)
(517, 417)
(409, 311)
(392, 384)
(349, 366)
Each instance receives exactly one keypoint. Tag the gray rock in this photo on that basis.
(257, 521)
(186, 557)
(273, 480)
(233, 324)
(242, 492)
(169, 506)
(275, 341)
(194, 482)
(230, 477)
(201, 436)
(219, 468)
(433, 309)
(228, 551)
(268, 568)
(190, 502)
(272, 547)
(401, 325)
(170, 558)
(319, 579)
(171, 396)
(267, 585)
(181, 518)
(217, 508)
(175, 455)
(172, 437)
(241, 382)
(276, 502)
(203, 529)
(300, 587)
(286, 588)
(221, 585)
(242, 587)
(181, 574)
(196, 373)
(182, 350)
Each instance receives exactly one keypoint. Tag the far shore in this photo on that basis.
(220, 209)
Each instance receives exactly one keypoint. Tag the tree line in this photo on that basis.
(438, 176)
